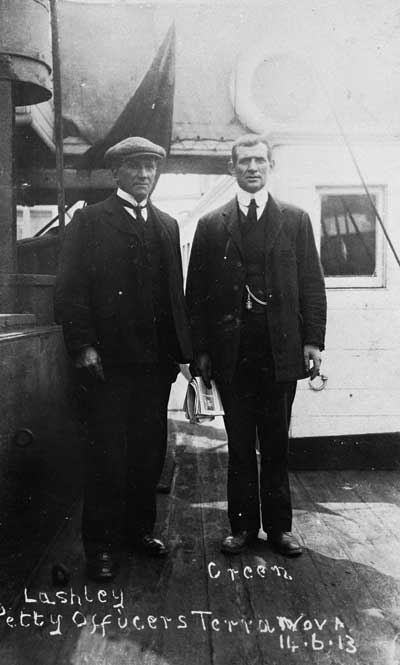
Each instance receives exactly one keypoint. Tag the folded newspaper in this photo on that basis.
(202, 403)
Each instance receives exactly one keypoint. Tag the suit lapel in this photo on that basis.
(230, 215)
(273, 225)
(167, 241)
(119, 218)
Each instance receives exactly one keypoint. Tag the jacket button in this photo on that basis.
(120, 293)
(239, 264)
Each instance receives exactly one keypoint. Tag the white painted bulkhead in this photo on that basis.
(362, 356)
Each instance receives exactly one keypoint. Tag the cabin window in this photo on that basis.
(350, 238)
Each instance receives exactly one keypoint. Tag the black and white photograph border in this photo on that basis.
(320, 80)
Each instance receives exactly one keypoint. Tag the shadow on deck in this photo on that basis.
(337, 604)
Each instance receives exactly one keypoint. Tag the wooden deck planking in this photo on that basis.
(366, 535)
(229, 599)
(260, 598)
(379, 541)
(331, 580)
(347, 571)
(348, 563)
(35, 646)
(162, 589)
(184, 589)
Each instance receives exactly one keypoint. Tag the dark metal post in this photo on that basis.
(58, 126)
(8, 224)
(7, 192)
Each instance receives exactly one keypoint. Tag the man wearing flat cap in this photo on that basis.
(119, 297)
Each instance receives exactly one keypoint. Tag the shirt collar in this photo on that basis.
(261, 198)
(128, 197)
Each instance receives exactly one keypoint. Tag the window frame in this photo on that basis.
(378, 280)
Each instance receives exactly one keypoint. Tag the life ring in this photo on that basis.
(288, 77)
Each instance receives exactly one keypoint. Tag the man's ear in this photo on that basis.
(231, 167)
(271, 163)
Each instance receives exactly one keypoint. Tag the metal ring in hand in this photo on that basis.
(318, 383)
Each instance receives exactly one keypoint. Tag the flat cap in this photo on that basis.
(133, 146)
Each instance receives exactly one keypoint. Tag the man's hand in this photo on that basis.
(201, 366)
(89, 359)
(312, 353)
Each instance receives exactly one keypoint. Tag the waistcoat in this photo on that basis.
(254, 335)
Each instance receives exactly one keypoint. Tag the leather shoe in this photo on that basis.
(237, 542)
(151, 546)
(101, 566)
(285, 543)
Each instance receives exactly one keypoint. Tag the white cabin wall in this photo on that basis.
(362, 357)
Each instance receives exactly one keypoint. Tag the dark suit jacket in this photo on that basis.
(294, 283)
(99, 295)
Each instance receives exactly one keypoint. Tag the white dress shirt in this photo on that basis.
(244, 199)
(128, 197)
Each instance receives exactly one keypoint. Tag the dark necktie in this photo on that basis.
(252, 211)
(136, 209)
(138, 212)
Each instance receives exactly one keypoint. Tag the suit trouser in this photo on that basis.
(255, 404)
(125, 452)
